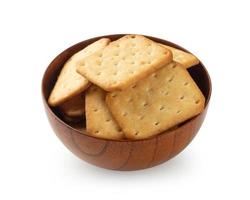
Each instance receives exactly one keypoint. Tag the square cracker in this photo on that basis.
(124, 62)
(69, 83)
(186, 59)
(99, 121)
(161, 101)
(74, 107)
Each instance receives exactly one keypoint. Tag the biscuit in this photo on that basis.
(75, 106)
(124, 62)
(71, 120)
(161, 101)
(186, 59)
(69, 83)
(99, 121)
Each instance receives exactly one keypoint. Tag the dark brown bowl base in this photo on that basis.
(123, 155)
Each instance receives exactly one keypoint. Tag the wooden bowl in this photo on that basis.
(123, 155)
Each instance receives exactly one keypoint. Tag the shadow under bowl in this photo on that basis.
(124, 154)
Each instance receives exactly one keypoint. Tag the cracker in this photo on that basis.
(186, 59)
(72, 120)
(156, 103)
(124, 62)
(99, 121)
(69, 82)
(74, 107)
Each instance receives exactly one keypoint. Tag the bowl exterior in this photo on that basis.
(126, 155)
(123, 155)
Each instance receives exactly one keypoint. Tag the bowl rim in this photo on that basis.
(115, 140)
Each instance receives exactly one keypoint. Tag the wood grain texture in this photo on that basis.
(121, 154)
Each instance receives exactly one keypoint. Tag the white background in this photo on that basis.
(34, 164)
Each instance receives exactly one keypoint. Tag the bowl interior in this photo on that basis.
(198, 72)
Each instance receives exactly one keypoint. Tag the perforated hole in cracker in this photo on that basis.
(156, 123)
(197, 101)
(166, 93)
(130, 99)
(154, 75)
(133, 86)
(141, 117)
(125, 114)
(136, 132)
(149, 89)
(119, 130)
(182, 97)
(171, 79)
(162, 107)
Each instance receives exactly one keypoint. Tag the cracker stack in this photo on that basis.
(140, 88)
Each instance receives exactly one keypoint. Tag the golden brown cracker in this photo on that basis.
(75, 106)
(185, 59)
(99, 121)
(124, 62)
(161, 101)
